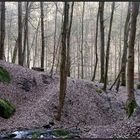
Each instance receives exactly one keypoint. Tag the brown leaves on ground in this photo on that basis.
(35, 95)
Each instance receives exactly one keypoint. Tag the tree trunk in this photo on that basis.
(63, 69)
(9, 32)
(138, 62)
(82, 58)
(108, 47)
(125, 46)
(2, 37)
(115, 58)
(96, 53)
(20, 61)
(25, 43)
(54, 47)
(42, 35)
(58, 51)
(130, 69)
(36, 44)
(68, 41)
(101, 14)
(15, 52)
(27, 30)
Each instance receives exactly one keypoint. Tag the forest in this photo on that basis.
(69, 70)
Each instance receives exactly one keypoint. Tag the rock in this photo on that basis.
(7, 109)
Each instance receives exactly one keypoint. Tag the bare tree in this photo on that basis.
(96, 53)
(63, 69)
(68, 40)
(36, 44)
(131, 103)
(101, 14)
(9, 33)
(138, 62)
(42, 34)
(2, 36)
(25, 43)
(125, 46)
(15, 51)
(82, 58)
(20, 61)
(54, 47)
(108, 47)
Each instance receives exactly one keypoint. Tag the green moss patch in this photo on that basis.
(60, 133)
(4, 75)
(7, 109)
(36, 134)
(99, 91)
(130, 108)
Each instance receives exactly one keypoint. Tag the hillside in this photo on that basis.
(87, 108)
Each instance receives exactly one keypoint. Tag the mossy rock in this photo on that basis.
(99, 91)
(130, 107)
(7, 109)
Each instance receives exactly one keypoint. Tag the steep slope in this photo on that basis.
(35, 95)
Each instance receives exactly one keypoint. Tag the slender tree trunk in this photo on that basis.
(138, 62)
(101, 14)
(63, 69)
(2, 37)
(108, 47)
(78, 55)
(9, 32)
(96, 53)
(125, 46)
(68, 40)
(20, 61)
(42, 34)
(58, 51)
(15, 52)
(78, 47)
(25, 43)
(27, 30)
(120, 40)
(120, 51)
(130, 69)
(58, 48)
(118, 76)
(36, 44)
(115, 58)
(82, 58)
(54, 49)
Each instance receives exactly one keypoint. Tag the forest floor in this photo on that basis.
(88, 110)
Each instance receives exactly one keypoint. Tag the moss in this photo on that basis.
(36, 134)
(98, 90)
(4, 75)
(7, 109)
(60, 133)
(130, 108)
